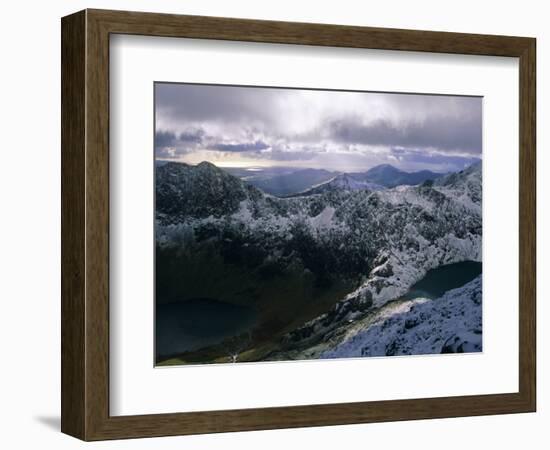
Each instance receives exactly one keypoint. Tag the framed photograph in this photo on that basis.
(273, 225)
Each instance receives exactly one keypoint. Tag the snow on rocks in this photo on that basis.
(387, 240)
(324, 219)
(449, 324)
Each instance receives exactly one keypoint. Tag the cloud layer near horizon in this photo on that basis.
(230, 125)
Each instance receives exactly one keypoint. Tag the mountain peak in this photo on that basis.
(199, 191)
(384, 167)
(207, 165)
(390, 176)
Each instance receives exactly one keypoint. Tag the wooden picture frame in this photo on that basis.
(85, 224)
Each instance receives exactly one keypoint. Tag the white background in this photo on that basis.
(138, 388)
(30, 238)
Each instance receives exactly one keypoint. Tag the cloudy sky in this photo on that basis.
(348, 131)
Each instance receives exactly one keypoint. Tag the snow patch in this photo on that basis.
(324, 219)
(449, 324)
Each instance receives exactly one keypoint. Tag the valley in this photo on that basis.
(244, 275)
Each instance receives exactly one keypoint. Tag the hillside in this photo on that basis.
(338, 252)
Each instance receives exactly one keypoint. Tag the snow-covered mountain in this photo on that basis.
(375, 179)
(382, 241)
(389, 176)
(449, 324)
(284, 182)
(184, 191)
(421, 228)
(345, 182)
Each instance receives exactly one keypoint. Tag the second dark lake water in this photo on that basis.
(197, 323)
(438, 281)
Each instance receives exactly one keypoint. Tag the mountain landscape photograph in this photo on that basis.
(305, 224)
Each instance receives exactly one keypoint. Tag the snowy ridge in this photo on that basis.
(344, 181)
(464, 186)
(449, 324)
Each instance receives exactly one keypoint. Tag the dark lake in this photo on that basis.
(444, 278)
(197, 323)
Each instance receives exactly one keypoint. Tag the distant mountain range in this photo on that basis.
(312, 181)
(389, 176)
(288, 181)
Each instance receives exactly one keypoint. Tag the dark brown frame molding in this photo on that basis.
(85, 224)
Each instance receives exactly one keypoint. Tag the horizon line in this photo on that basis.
(261, 167)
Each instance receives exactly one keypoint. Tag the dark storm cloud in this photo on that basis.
(241, 147)
(170, 143)
(445, 133)
(194, 136)
(165, 139)
(213, 103)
